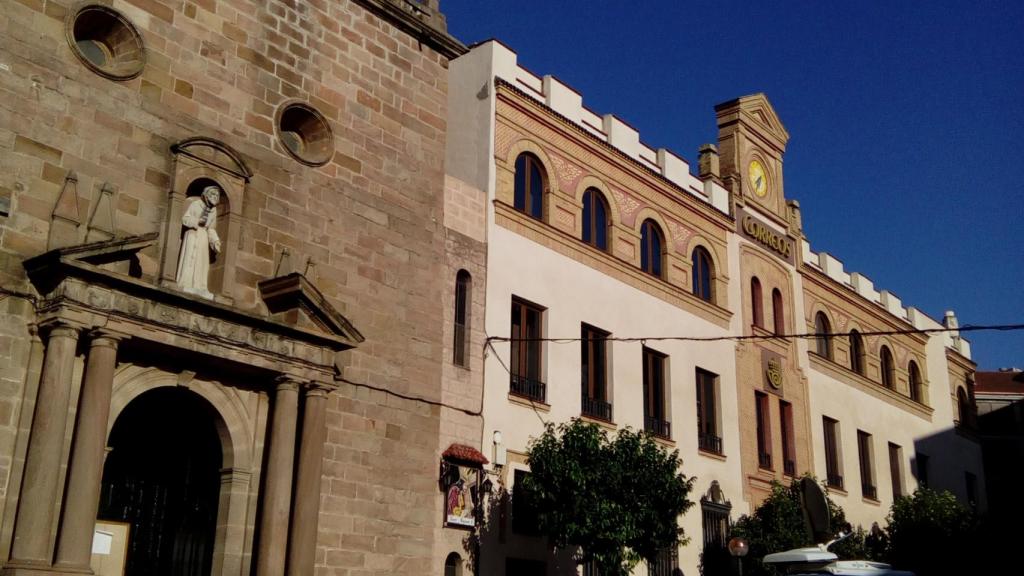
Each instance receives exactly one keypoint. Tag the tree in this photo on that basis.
(778, 525)
(616, 500)
(931, 533)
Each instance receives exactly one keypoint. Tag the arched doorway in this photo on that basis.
(162, 476)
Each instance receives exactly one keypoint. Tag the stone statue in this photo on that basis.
(199, 243)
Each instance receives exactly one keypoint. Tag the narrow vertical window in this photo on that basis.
(823, 339)
(867, 472)
(833, 472)
(856, 352)
(971, 482)
(703, 273)
(888, 368)
(922, 469)
(788, 439)
(651, 248)
(963, 407)
(915, 381)
(460, 343)
(778, 314)
(595, 219)
(453, 565)
(526, 351)
(655, 417)
(594, 372)
(756, 302)
(895, 469)
(764, 438)
(529, 186)
(708, 438)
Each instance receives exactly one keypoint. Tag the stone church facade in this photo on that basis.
(288, 417)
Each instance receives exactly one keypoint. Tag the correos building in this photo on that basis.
(628, 289)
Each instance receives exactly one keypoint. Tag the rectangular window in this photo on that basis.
(971, 482)
(867, 472)
(594, 372)
(663, 564)
(764, 433)
(922, 469)
(895, 469)
(655, 417)
(524, 515)
(708, 438)
(526, 347)
(833, 471)
(461, 336)
(788, 442)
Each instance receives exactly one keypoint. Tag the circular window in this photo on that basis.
(305, 134)
(106, 42)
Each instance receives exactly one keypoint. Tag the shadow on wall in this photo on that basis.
(951, 460)
(502, 545)
(1002, 445)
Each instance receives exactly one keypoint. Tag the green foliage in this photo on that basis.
(778, 525)
(931, 533)
(616, 499)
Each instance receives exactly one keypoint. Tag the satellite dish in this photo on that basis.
(816, 515)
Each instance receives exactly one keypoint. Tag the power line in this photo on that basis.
(759, 337)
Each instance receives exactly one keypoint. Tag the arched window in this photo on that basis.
(703, 271)
(888, 368)
(856, 352)
(823, 329)
(778, 314)
(963, 406)
(453, 565)
(460, 343)
(915, 381)
(595, 219)
(651, 248)
(756, 302)
(529, 186)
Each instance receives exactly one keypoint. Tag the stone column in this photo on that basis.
(40, 485)
(85, 470)
(277, 489)
(302, 552)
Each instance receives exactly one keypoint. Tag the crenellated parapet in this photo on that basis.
(832, 267)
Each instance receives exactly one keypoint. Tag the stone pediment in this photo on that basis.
(294, 300)
(755, 111)
(215, 153)
(118, 255)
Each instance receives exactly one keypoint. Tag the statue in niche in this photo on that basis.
(199, 243)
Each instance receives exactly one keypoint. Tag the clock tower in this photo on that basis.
(752, 141)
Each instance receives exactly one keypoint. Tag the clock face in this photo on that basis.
(758, 179)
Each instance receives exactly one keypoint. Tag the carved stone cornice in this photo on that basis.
(422, 20)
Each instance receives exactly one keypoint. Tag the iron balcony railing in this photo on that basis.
(789, 467)
(532, 389)
(835, 481)
(658, 427)
(709, 443)
(764, 460)
(597, 409)
(869, 491)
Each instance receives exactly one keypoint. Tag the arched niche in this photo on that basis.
(198, 162)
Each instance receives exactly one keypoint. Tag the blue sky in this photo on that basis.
(905, 122)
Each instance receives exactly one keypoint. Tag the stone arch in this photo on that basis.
(506, 176)
(591, 181)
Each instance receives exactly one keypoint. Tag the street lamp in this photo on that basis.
(738, 548)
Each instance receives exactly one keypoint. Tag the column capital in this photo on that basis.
(287, 383)
(60, 327)
(318, 389)
(105, 337)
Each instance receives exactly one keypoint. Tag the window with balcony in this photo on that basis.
(526, 361)
(856, 352)
(709, 438)
(764, 433)
(460, 340)
(703, 274)
(865, 453)
(823, 338)
(778, 312)
(888, 368)
(524, 510)
(896, 469)
(756, 302)
(833, 462)
(788, 438)
(655, 403)
(651, 248)
(664, 563)
(529, 185)
(594, 373)
(595, 219)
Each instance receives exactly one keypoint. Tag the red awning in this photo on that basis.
(463, 453)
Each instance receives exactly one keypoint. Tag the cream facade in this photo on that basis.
(732, 260)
